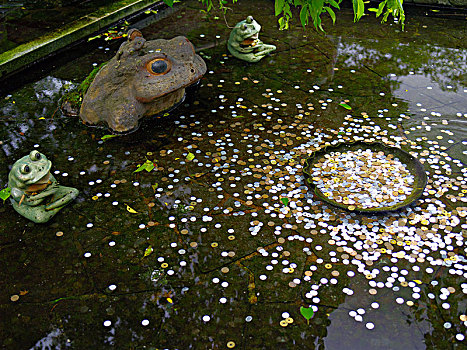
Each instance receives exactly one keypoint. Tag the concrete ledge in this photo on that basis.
(41, 47)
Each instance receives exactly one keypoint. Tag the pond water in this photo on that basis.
(220, 245)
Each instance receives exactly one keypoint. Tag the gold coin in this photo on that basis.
(14, 297)
(193, 244)
(225, 270)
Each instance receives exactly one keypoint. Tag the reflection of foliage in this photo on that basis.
(444, 65)
(445, 323)
(154, 276)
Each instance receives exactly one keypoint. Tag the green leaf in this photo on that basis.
(315, 12)
(239, 116)
(360, 9)
(355, 9)
(156, 185)
(190, 156)
(283, 23)
(331, 13)
(147, 165)
(304, 15)
(94, 37)
(5, 193)
(345, 105)
(381, 8)
(278, 6)
(285, 201)
(334, 4)
(307, 312)
(106, 137)
(169, 2)
(148, 251)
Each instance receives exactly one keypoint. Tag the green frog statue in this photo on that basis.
(244, 41)
(35, 193)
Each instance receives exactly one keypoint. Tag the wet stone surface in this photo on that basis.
(216, 243)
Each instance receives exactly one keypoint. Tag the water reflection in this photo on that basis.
(237, 243)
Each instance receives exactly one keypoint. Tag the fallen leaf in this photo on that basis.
(345, 105)
(130, 209)
(148, 251)
(307, 312)
(5, 193)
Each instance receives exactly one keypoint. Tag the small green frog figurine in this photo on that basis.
(35, 193)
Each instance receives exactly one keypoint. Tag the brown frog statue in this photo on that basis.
(144, 78)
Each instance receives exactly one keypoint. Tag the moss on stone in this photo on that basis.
(71, 101)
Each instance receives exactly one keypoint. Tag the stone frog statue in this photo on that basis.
(35, 193)
(244, 41)
(144, 78)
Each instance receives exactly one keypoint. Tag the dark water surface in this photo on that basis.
(221, 251)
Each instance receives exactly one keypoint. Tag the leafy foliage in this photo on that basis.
(315, 8)
(209, 4)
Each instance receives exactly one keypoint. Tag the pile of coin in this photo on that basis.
(362, 179)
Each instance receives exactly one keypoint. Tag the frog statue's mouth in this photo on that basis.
(40, 184)
(250, 41)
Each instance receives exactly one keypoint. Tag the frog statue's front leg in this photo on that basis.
(264, 49)
(61, 197)
(41, 207)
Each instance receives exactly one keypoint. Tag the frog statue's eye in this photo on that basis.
(245, 27)
(159, 66)
(35, 155)
(25, 169)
